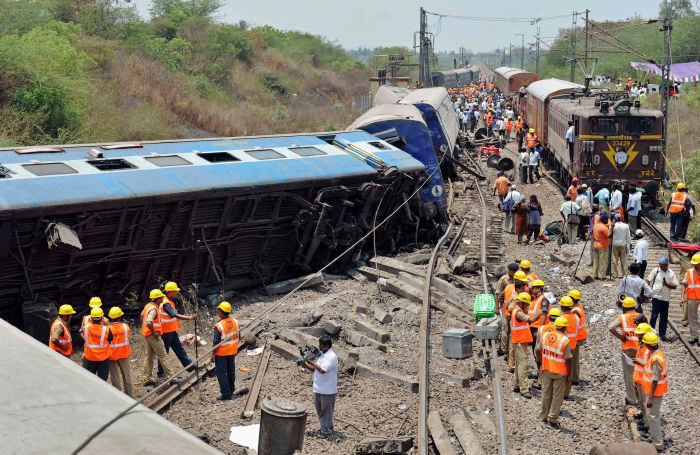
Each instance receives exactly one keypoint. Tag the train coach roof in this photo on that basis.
(546, 87)
(388, 94)
(433, 96)
(385, 112)
(585, 107)
(507, 72)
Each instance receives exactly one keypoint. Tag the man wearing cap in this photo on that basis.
(691, 295)
(151, 329)
(227, 337)
(97, 349)
(676, 208)
(635, 287)
(511, 295)
(119, 361)
(170, 320)
(60, 339)
(662, 280)
(641, 252)
(640, 361)
(655, 388)
(581, 334)
(623, 329)
(601, 243)
(95, 302)
(554, 348)
(567, 305)
(537, 309)
(521, 337)
(506, 281)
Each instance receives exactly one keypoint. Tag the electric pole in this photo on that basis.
(504, 56)
(510, 55)
(572, 74)
(522, 50)
(667, 27)
(537, 52)
(421, 39)
(585, 55)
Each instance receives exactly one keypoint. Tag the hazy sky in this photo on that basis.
(372, 23)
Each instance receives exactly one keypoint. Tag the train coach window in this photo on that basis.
(168, 160)
(218, 157)
(307, 151)
(264, 154)
(111, 165)
(49, 169)
(638, 125)
(602, 125)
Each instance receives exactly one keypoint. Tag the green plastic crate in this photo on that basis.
(484, 306)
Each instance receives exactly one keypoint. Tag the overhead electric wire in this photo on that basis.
(498, 19)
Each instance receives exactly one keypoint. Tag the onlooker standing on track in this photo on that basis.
(499, 126)
(119, 361)
(524, 165)
(556, 369)
(601, 243)
(588, 193)
(572, 191)
(521, 337)
(477, 117)
(616, 202)
(325, 384)
(662, 280)
(603, 196)
(691, 288)
(676, 208)
(635, 287)
(626, 324)
(534, 219)
(501, 186)
(508, 205)
(641, 252)
(634, 207)
(621, 241)
(569, 211)
(533, 165)
(585, 212)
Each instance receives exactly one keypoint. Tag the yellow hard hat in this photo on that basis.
(524, 297)
(695, 259)
(566, 301)
(650, 338)
(115, 312)
(554, 312)
(537, 283)
(95, 302)
(642, 328)
(520, 276)
(225, 307)
(531, 130)
(171, 286)
(680, 186)
(561, 321)
(155, 293)
(66, 310)
(629, 302)
(96, 313)
(575, 294)
(520, 117)
(525, 264)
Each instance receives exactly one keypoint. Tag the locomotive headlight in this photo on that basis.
(596, 160)
(645, 160)
(621, 157)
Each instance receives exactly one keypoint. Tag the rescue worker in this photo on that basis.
(525, 266)
(504, 282)
(626, 324)
(521, 337)
(556, 368)
(60, 339)
(226, 332)
(567, 305)
(691, 295)
(655, 388)
(151, 329)
(488, 121)
(640, 361)
(119, 362)
(552, 315)
(676, 209)
(169, 319)
(97, 350)
(508, 127)
(95, 302)
(511, 300)
(582, 334)
(536, 310)
(530, 140)
(519, 132)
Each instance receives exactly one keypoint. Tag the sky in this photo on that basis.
(373, 23)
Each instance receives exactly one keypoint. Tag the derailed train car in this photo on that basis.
(115, 220)
(455, 78)
(439, 114)
(388, 94)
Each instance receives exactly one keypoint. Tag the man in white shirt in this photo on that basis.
(499, 126)
(570, 212)
(616, 200)
(325, 369)
(662, 280)
(634, 206)
(524, 165)
(570, 141)
(621, 240)
(585, 212)
(641, 252)
(510, 200)
(534, 162)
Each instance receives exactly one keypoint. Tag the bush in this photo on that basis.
(272, 83)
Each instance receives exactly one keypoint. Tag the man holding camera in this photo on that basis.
(325, 369)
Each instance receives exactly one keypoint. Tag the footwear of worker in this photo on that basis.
(693, 342)
(516, 389)
(555, 425)
(224, 398)
(639, 416)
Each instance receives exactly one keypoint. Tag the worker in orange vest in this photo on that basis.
(691, 295)
(623, 329)
(567, 306)
(555, 350)
(488, 121)
(536, 309)
(510, 296)
(503, 282)
(582, 333)
(60, 339)
(526, 266)
(95, 302)
(170, 321)
(97, 349)
(226, 336)
(519, 132)
(508, 127)
(676, 208)
(119, 362)
(521, 337)
(151, 329)
(640, 361)
(531, 139)
(655, 387)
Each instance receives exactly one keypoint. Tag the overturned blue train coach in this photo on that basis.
(115, 220)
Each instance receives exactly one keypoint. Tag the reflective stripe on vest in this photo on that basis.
(519, 330)
(553, 348)
(120, 341)
(230, 335)
(692, 288)
(662, 385)
(678, 202)
(167, 322)
(572, 328)
(583, 325)
(145, 331)
(643, 356)
(66, 340)
(96, 346)
(531, 140)
(628, 328)
(507, 293)
(535, 306)
(518, 125)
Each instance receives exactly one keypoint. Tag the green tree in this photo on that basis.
(676, 9)
(204, 8)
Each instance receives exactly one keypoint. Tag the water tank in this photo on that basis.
(282, 427)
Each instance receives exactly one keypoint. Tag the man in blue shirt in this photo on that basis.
(603, 196)
(634, 206)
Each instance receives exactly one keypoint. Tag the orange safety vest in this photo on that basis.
(229, 330)
(553, 348)
(157, 329)
(66, 340)
(535, 306)
(582, 325)
(169, 323)
(692, 287)
(643, 356)
(96, 346)
(678, 202)
(519, 330)
(628, 327)
(509, 125)
(531, 137)
(88, 320)
(662, 385)
(507, 292)
(518, 125)
(572, 328)
(549, 327)
(489, 119)
(120, 341)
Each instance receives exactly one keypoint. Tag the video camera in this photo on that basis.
(308, 355)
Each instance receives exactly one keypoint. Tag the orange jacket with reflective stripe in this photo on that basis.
(168, 323)
(692, 287)
(572, 328)
(121, 349)
(531, 138)
(509, 125)
(553, 348)
(518, 125)
(507, 293)
(230, 335)
(535, 306)
(678, 202)
(96, 347)
(66, 341)
(582, 324)
(145, 331)
(519, 330)
(642, 355)
(628, 327)
(488, 119)
(662, 386)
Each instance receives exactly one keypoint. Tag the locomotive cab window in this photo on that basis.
(49, 169)
(603, 125)
(638, 125)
